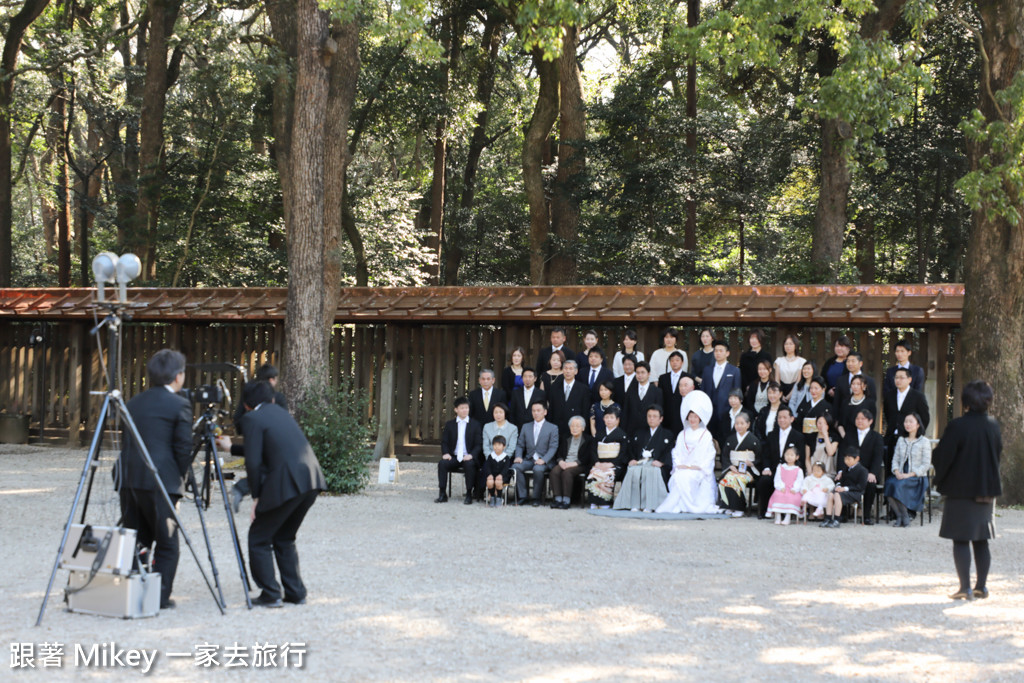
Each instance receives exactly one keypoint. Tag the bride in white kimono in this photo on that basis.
(692, 485)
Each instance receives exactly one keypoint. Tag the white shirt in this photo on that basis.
(568, 387)
(617, 370)
(675, 383)
(641, 389)
(732, 417)
(900, 397)
(527, 395)
(783, 438)
(627, 380)
(537, 426)
(719, 371)
(769, 422)
(861, 433)
(460, 444)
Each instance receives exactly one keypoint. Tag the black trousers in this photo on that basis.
(470, 467)
(272, 537)
(765, 486)
(148, 514)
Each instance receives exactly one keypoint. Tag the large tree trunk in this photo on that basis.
(301, 28)
(544, 114)
(865, 238)
(690, 229)
(162, 15)
(62, 190)
(124, 167)
(86, 192)
(341, 96)
(491, 43)
(8, 62)
(572, 133)
(994, 272)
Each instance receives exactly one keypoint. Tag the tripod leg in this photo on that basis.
(206, 534)
(93, 454)
(211, 444)
(134, 431)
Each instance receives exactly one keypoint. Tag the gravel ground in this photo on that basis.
(402, 589)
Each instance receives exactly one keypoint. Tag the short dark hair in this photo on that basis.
(920, 425)
(613, 410)
(609, 385)
(772, 384)
(977, 396)
(498, 438)
(503, 406)
(829, 420)
(559, 354)
(258, 391)
(819, 380)
(539, 402)
(759, 333)
(866, 412)
(786, 408)
(844, 341)
(796, 342)
(643, 364)
(630, 333)
(738, 393)
(164, 365)
(905, 343)
(670, 331)
(530, 370)
(596, 349)
(905, 371)
(720, 342)
(266, 371)
(851, 452)
(631, 357)
(591, 331)
(859, 378)
(856, 354)
(677, 354)
(558, 329)
(657, 408)
(765, 362)
(461, 401)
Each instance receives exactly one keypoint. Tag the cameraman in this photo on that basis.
(267, 373)
(164, 419)
(285, 479)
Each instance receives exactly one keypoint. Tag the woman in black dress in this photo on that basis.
(751, 357)
(512, 375)
(966, 465)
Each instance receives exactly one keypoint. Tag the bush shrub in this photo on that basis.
(334, 420)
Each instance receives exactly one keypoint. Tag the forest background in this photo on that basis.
(316, 144)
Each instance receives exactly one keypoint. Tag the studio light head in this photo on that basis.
(109, 268)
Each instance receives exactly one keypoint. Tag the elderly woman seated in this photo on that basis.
(573, 454)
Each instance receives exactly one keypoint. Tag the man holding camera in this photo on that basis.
(268, 373)
(164, 419)
(285, 479)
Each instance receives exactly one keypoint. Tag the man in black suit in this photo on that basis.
(597, 373)
(872, 456)
(462, 450)
(525, 396)
(483, 398)
(164, 419)
(625, 383)
(557, 344)
(669, 382)
(266, 373)
(285, 478)
(568, 397)
(654, 442)
(902, 353)
(720, 378)
(783, 437)
(642, 395)
(854, 367)
(905, 400)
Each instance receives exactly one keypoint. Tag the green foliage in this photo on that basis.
(996, 185)
(334, 421)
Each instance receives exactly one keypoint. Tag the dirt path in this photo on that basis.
(402, 589)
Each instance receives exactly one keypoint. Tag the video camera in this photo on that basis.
(208, 394)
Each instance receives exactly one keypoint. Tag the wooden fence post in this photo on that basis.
(385, 447)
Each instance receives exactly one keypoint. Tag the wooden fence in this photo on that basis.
(433, 364)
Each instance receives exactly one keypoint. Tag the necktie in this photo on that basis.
(643, 391)
(487, 400)
(593, 376)
(567, 389)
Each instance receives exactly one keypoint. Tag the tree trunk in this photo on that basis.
(62, 191)
(162, 15)
(572, 133)
(124, 167)
(8, 62)
(690, 229)
(484, 89)
(865, 238)
(341, 95)
(994, 270)
(534, 145)
(86, 192)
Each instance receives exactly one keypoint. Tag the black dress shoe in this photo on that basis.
(961, 595)
(980, 593)
(468, 500)
(535, 502)
(264, 601)
(170, 604)
(441, 499)
(868, 521)
(555, 505)
(295, 601)
(564, 506)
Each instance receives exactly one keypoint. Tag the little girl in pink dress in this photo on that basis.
(786, 500)
(816, 488)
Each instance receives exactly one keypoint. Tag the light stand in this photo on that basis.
(106, 267)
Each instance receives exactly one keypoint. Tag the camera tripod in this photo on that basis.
(205, 428)
(114, 407)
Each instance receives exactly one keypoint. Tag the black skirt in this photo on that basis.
(964, 519)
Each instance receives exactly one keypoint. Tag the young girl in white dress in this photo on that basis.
(816, 488)
(786, 499)
(692, 485)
